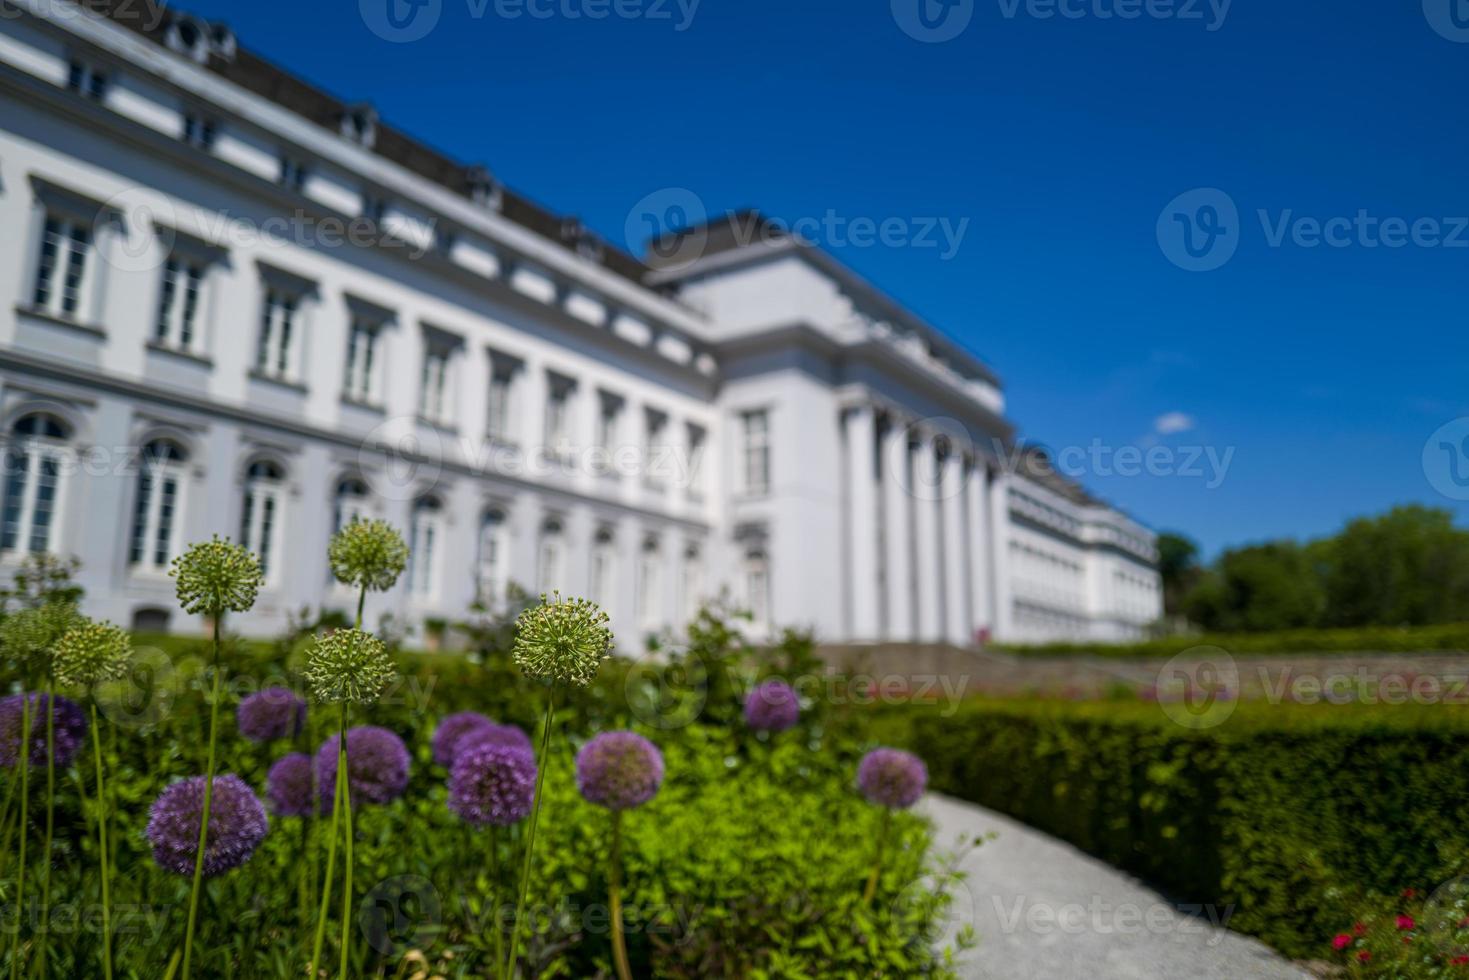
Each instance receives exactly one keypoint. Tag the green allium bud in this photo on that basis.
(348, 665)
(563, 640)
(216, 576)
(92, 653)
(368, 555)
(29, 635)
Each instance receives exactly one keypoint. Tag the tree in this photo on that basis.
(1409, 567)
(1270, 586)
(1178, 566)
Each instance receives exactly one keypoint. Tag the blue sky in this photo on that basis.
(1056, 143)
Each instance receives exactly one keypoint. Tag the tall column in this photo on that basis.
(897, 533)
(861, 523)
(956, 551)
(929, 551)
(1000, 548)
(976, 494)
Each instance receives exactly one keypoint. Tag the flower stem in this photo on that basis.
(882, 841)
(25, 807)
(344, 779)
(530, 836)
(45, 939)
(331, 864)
(495, 899)
(102, 852)
(204, 820)
(614, 899)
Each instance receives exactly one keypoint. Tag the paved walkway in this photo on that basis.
(1045, 911)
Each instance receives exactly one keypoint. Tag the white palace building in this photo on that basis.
(232, 303)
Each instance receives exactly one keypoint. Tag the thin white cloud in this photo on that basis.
(1172, 423)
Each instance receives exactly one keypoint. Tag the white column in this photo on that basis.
(976, 493)
(1000, 548)
(861, 523)
(955, 551)
(898, 539)
(929, 551)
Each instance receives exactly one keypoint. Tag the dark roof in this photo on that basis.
(154, 18)
(1035, 464)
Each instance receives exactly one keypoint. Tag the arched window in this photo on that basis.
(493, 551)
(158, 506)
(757, 588)
(693, 581)
(350, 503)
(260, 512)
(552, 557)
(650, 585)
(604, 568)
(34, 480)
(424, 533)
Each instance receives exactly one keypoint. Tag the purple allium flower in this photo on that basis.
(492, 784)
(290, 786)
(70, 726)
(892, 778)
(377, 767)
(451, 730)
(510, 736)
(237, 825)
(619, 770)
(276, 712)
(772, 707)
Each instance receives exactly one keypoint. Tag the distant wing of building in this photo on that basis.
(235, 304)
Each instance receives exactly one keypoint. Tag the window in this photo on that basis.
(424, 534)
(693, 581)
(87, 80)
(350, 503)
(551, 557)
(756, 450)
(609, 419)
(260, 513)
(650, 584)
(198, 131)
(604, 564)
(156, 511)
(292, 173)
(374, 208)
(434, 396)
(361, 384)
(178, 304)
(61, 273)
(656, 425)
(502, 380)
(275, 355)
(490, 580)
(757, 587)
(558, 414)
(698, 442)
(34, 480)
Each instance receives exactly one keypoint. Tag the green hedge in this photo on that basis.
(1370, 639)
(1295, 815)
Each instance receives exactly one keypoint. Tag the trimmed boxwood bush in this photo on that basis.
(1295, 815)
(1453, 637)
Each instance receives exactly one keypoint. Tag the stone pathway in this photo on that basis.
(1045, 911)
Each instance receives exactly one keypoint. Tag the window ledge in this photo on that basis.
(257, 375)
(162, 348)
(375, 407)
(46, 316)
(446, 427)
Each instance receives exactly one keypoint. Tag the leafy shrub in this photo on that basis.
(1297, 816)
(1367, 639)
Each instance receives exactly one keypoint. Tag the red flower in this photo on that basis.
(1405, 922)
(1359, 930)
(1364, 956)
(1409, 893)
(1459, 961)
(1342, 941)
